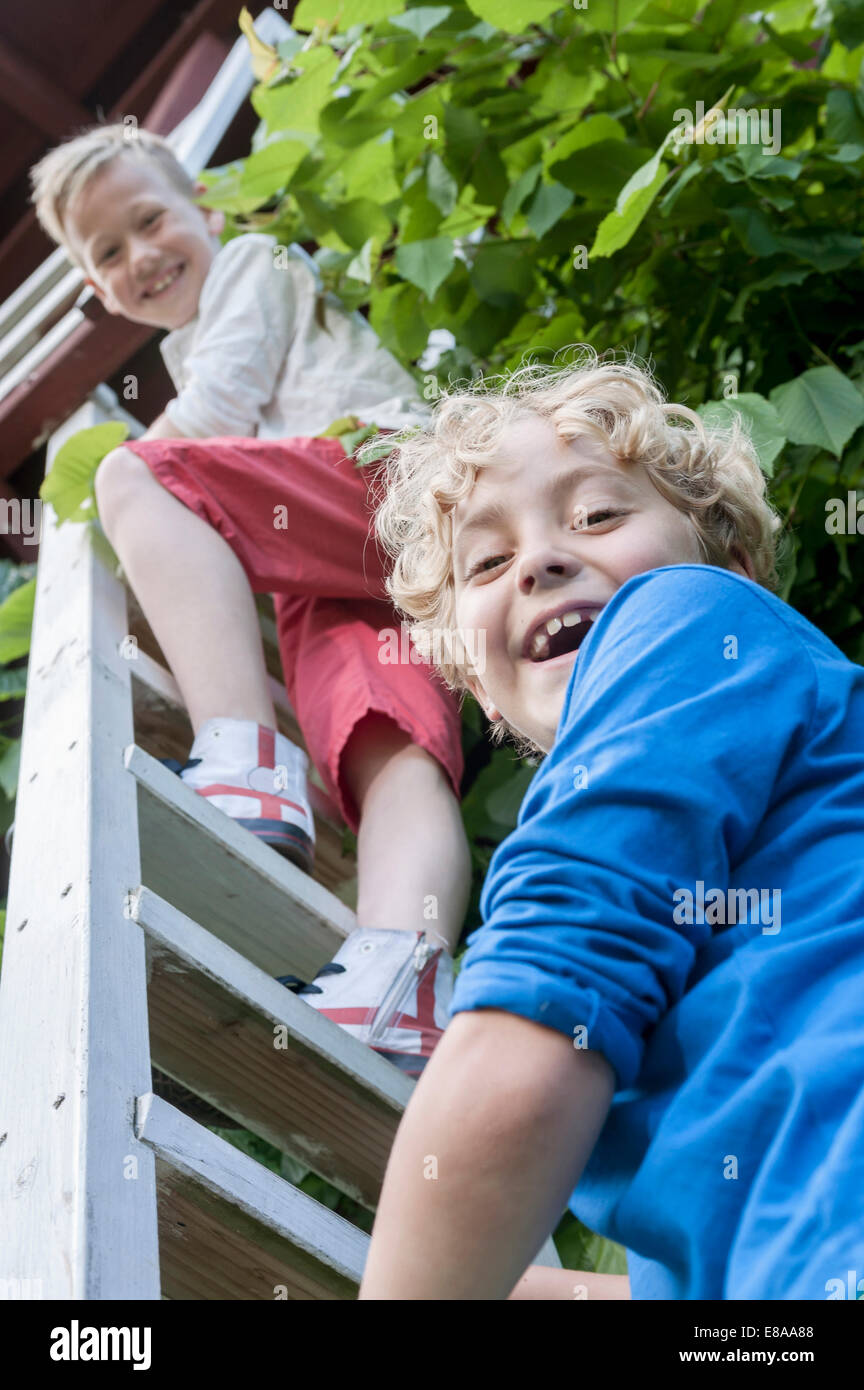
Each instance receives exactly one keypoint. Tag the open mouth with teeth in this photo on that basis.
(558, 636)
(165, 283)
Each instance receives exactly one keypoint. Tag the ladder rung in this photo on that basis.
(319, 1095)
(231, 1229)
(217, 873)
(162, 728)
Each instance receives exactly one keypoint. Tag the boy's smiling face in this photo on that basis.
(145, 248)
(551, 531)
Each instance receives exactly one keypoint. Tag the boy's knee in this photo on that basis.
(120, 472)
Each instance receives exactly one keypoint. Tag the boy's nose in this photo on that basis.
(545, 566)
(143, 258)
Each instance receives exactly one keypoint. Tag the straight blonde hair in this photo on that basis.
(64, 171)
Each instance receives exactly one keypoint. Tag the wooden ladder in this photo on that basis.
(144, 928)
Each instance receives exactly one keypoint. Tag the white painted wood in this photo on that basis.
(30, 327)
(33, 359)
(305, 1232)
(217, 873)
(34, 288)
(77, 1189)
(307, 1030)
(260, 1054)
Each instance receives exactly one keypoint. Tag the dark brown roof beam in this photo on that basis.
(35, 97)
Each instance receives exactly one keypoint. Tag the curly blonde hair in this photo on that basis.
(710, 474)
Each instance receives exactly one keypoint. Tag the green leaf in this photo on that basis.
(69, 485)
(778, 279)
(467, 215)
(843, 120)
(422, 20)
(344, 13)
(396, 318)
(503, 273)
(427, 263)
(503, 803)
(10, 761)
(580, 1249)
(611, 16)
(519, 191)
(619, 226)
(759, 417)
(295, 104)
(587, 132)
(13, 575)
(514, 16)
(360, 268)
(369, 173)
(358, 220)
(549, 206)
(820, 407)
(13, 684)
(666, 204)
(16, 621)
(443, 188)
(269, 171)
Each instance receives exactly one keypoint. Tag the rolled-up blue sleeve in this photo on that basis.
(686, 698)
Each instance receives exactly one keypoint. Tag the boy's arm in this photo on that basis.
(490, 1148)
(546, 1283)
(162, 428)
(666, 759)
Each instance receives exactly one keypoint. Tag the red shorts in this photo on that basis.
(297, 513)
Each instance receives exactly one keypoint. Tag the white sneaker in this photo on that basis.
(257, 777)
(390, 989)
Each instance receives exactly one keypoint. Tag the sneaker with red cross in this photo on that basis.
(257, 777)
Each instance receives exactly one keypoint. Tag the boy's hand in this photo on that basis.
(491, 1145)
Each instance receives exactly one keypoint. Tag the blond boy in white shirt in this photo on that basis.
(207, 509)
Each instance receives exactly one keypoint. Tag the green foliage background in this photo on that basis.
(505, 170)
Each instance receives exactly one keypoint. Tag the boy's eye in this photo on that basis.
(481, 564)
(152, 217)
(593, 517)
(106, 255)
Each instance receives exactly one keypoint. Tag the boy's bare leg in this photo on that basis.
(413, 861)
(193, 590)
(545, 1282)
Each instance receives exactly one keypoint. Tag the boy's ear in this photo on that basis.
(100, 295)
(215, 220)
(739, 554)
(483, 699)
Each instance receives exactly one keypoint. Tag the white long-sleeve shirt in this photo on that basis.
(255, 360)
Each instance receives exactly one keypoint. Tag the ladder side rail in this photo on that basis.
(77, 1187)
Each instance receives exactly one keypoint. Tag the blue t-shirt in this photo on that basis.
(711, 743)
